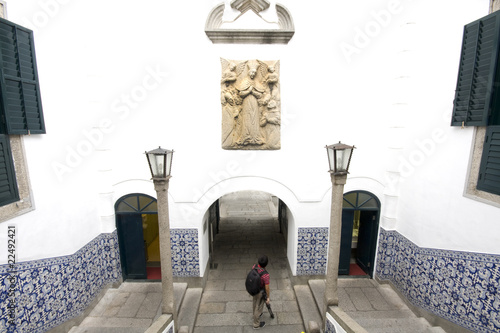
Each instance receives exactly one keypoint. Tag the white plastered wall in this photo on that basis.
(121, 77)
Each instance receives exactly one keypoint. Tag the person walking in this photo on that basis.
(263, 296)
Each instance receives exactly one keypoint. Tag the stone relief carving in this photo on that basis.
(251, 105)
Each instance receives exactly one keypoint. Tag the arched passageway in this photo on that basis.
(249, 227)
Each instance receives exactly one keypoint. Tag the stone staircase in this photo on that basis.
(133, 307)
(376, 308)
(308, 306)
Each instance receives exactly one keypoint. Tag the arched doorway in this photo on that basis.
(242, 219)
(360, 220)
(137, 228)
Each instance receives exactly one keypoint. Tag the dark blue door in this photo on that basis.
(131, 240)
(360, 216)
(346, 241)
(367, 240)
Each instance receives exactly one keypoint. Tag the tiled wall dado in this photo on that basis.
(312, 251)
(185, 252)
(50, 291)
(461, 287)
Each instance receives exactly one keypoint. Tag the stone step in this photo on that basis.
(240, 329)
(128, 309)
(393, 321)
(386, 314)
(77, 329)
(396, 316)
(307, 305)
(389, 325)
(189, 309)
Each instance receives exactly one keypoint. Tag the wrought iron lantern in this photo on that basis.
(339, 157)
(160, 162)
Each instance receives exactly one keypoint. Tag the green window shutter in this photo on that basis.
(489, 171)
(477, 71)
(8, 185)
(20, 91)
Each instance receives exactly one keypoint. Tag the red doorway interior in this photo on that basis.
(355, 270)
(154, 273)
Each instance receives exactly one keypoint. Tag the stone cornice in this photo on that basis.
(217, 35)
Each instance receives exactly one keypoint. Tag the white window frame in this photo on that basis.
(471, 190)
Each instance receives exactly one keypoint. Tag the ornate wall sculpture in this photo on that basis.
(251, 105)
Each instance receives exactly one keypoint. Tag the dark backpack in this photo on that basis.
(252, 282)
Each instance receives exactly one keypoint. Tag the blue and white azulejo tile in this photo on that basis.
(48, 292)
(312, 251)
(185, 252)
(462, 287)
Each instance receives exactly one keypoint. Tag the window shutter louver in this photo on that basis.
(21, 102)
(8, 185)
(489, 171)
(477, 71)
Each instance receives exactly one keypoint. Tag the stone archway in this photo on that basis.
(247, 230)
(242, 217)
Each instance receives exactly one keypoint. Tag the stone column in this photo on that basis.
(167, 279)
(331, 293)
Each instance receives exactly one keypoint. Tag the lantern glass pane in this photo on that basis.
(157, 165)
(343, 159)
(331, 158)
(168, 163)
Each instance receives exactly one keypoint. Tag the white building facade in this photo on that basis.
(117, 78)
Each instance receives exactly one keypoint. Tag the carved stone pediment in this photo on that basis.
(280, 35)
(256, 5)
(251, 104)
